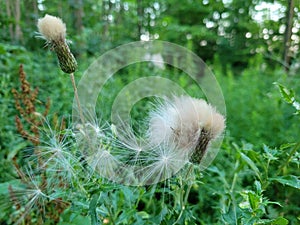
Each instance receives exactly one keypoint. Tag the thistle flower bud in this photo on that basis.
(188, 123)
(54, 31)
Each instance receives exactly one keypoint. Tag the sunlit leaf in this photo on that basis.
(277, 221)
(287, 95)
(289, 180)
(254, 200)
(287, 145)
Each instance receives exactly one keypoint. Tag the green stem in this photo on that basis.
(110, 214)
(297, 146)
(184, 198)
(231, 192)
(77, 98)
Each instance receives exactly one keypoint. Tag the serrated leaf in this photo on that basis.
(254, 200)
(277, 221)
(287, 95)
(290, 180)
(271, 153)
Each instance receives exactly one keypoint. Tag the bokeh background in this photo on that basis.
(249, 45)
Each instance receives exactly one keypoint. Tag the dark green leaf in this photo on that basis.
(92, 209)
(251, 164)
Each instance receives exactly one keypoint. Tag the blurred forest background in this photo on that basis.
(249, 45)
(232, 30)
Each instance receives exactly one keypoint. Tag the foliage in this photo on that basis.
(248, 184)
(254, 178)
(235, 30)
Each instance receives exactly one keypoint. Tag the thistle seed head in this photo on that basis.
(54, 31)
(188, 122)
(52, 28)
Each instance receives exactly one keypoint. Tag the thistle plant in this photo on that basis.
(76, 161)
(180, 131)
(33, 192)
(53, 30)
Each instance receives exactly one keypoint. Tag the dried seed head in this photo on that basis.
(52, 28)
(54, 31)
(187, 122)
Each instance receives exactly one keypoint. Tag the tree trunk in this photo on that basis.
(78, 16)
(78, 26)
(105, 13)
(18, 31)
(10, 26)
(30, 13)
(288, 34)
(139, 17)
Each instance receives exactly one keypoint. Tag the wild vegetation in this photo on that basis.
(252, 47)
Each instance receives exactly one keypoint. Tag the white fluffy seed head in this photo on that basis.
(52, 28)
(182, 119)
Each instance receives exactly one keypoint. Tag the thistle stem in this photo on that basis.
(287, 161)
(184, 198)
(77, 98)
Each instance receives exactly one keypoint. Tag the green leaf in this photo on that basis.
(143, 214)
(277, 221)
(270, 154)
(92, 209)
(12, 153)
(4, 186)
(287, 145)
(77, 220)
(287, 95)
(258, 187)
(280, 221)
(290, 180)
(254, 200)
(232, 216)
(251, 164)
